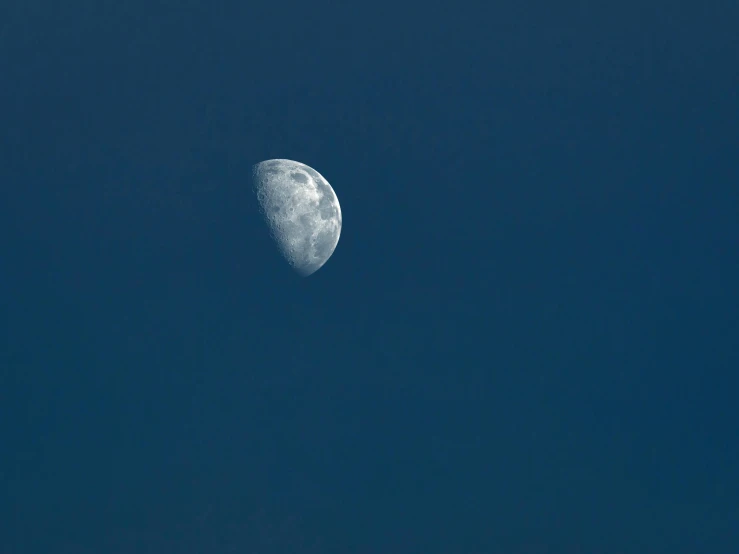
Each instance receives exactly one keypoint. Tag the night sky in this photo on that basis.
(526, 341)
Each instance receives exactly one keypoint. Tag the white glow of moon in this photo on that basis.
(301, 211)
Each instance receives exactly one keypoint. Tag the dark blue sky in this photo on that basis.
(526, 342)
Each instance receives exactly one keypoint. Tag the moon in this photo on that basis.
(301, 210)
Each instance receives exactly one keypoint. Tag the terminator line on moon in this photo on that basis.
(301, 211)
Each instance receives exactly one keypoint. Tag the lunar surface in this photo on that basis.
(301, 211)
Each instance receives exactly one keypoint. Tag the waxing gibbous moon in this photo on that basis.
(301, 210)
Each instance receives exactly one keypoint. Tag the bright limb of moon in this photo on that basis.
(301, 211)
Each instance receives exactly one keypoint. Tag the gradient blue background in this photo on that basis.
(527, 340)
